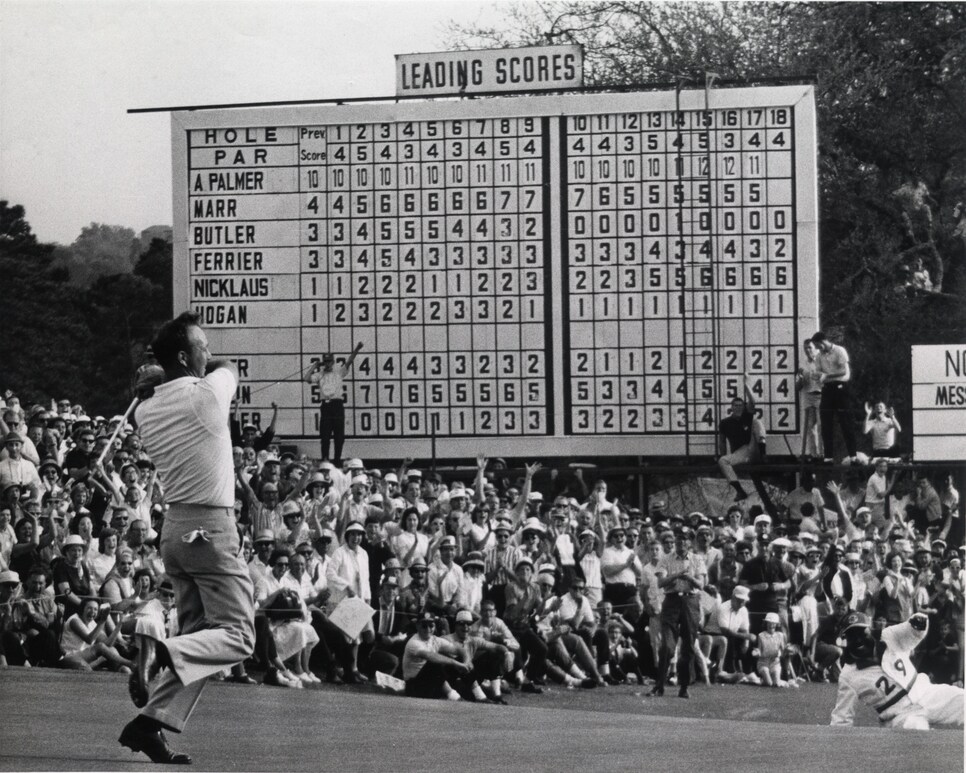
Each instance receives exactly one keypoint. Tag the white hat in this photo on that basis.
(741, 592)
(535, 496)
(375, 499)
(772, 617)
(9, 576)
(781, 542)
(534, 524)
(391, 477)
(361, 480)
(763, 518)
(355, 464)
(73, 539)
(355, 526)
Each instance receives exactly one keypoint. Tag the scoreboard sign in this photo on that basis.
(579, 274)
(939, 402)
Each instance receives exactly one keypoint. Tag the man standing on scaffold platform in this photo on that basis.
(184, 426)
(331, 379)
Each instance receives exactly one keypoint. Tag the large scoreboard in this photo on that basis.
(552, 275)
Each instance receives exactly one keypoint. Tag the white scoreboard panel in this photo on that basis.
(579, 274)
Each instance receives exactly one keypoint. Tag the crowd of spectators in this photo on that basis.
(480, 584)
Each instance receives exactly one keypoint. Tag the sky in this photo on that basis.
(69, 71)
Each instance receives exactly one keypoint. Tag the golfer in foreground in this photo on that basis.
(184, 427)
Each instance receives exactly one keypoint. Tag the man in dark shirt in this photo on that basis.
(745, 437)
(769, 578)
(378, 551)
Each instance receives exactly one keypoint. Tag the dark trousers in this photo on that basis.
(837, 404)
(624, 598)
(428, 683)
(536, 649)
(332, 425)
(680, 618)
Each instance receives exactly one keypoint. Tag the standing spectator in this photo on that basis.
(833, 362)
(348, 575)
(884, 426)
(12, 423)
(744, 435)
(621, 570)
(331, 381)
(927, 510)
(16, 469)
(768, 579)
(809, 383)
(685, 577)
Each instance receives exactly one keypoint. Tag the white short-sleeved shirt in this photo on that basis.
(184, 427)
(726, 616)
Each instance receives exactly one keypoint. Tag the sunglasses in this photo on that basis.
(281, 563)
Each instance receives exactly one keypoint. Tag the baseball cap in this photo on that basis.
(355, 464)
(853, 620)
(464, 616)
(355, 526)
(9, 576)
(265, 535)
(763, 518)
(772, 617)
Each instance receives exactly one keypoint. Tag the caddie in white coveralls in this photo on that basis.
(890, 684)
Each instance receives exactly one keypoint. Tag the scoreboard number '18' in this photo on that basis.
(575, 274)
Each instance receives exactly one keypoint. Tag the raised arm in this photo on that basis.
(352, 357)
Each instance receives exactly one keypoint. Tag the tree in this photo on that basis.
(101, 250)
(42, 338)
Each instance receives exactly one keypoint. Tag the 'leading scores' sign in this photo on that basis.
(503, 70)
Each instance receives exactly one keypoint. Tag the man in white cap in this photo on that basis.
(732, 622)
(17, 469)
(487, 660)
(330, 380)
(445, 580)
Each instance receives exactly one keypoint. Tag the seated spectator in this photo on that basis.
(487, 659)
(771, 647)
(390, 626)
(825, 653)
(119, 585)
(41, 623)
(712, 644)
(89, 640)
(431, 663)
(745, 437)
(523, 599)
(72, 581)
(731, 622)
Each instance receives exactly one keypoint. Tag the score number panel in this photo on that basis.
(679, 244)
(596, 269)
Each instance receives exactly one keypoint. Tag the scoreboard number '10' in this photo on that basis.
(572, 274)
